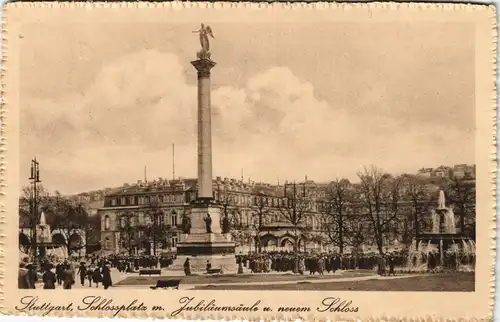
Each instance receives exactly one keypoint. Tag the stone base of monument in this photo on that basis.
(226, 263)
(200, 248)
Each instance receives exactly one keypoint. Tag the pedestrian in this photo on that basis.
(301, 265)
(96, 276)
(59, 273)
(391, 265)
(187, 267)
(82, 271)
(90, 272)
(383, 265)
(68, 279)
(49, 278)
(106, 276)
(32, 275)
(23, 281)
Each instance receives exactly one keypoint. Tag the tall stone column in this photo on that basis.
(199, 246)
(203, 66)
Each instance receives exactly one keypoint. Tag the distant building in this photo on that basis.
(426, 172)
(457, 171)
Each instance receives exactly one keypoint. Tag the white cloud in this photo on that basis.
(274, 125)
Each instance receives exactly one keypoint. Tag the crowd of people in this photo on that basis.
(93, 270)
(50, 274)
(132, 263)
(318, 263)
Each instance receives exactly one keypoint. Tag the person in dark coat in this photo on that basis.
(23, 281)
(391, 265)
(90, 273)
(32, 275)
(96, 276)
(67, 277)
(187, 267)
(106, 276)
(382, 265)
(82, 271)
(59, 273)
(49, 278)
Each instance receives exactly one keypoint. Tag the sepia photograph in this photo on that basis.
(343, 151)
(249, 157)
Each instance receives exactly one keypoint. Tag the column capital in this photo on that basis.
(203, 66)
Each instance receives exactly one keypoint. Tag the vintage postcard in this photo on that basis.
(248, 161)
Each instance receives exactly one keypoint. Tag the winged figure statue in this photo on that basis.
(204, 32)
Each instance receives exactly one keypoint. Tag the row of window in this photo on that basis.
(146, 200)
(172, 219)
(142, 219)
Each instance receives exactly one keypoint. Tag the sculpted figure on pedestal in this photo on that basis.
(186, 224)
(208, 224)
(226, 225)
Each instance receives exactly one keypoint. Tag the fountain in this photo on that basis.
(46, 247)
(443, 247)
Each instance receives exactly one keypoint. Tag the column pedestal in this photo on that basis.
(200, 246)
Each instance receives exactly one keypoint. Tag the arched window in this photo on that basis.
(107, 243)
(107, 222)
(123, 221)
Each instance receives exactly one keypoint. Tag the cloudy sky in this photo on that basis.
(288, 100)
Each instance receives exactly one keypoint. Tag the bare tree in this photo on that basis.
(380, 197)
(128, 231)
(335, 215)
(294, 209)
(27, 201)
(259, 211)
(69, 219)
(156, 230)
(461, 193)
(419, 200)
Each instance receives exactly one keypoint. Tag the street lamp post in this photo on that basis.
(155, 218)
(35, 179)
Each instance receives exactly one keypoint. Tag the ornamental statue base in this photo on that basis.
(202, 247)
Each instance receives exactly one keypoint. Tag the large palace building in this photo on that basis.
(255, 211)
(148, 217)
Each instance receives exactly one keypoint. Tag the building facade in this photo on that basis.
(147, 217)
(130, 216)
